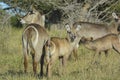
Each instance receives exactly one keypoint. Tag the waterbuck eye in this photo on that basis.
(31, 12)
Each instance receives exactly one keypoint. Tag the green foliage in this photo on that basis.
(44, 7)
(56, 10)
(117, 8)
(2, 13)
(15, 22)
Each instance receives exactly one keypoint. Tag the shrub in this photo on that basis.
(15, 22)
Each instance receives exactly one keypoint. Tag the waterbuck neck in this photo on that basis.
(113, 27)
(73, 43)
(39, 20)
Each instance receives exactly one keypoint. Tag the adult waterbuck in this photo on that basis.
(103, 44)
(33, 38)
(60, 48)
(95, 31)
(33, 16)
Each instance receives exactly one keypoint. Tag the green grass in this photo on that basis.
(11, 62)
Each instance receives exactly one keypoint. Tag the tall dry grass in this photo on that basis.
(11, 61)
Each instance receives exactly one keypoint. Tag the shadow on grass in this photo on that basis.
(19, 74)
(12, 73)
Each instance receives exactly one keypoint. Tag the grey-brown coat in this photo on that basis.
(94, 30)
(105, 43)
(60, 48)
(33, 39)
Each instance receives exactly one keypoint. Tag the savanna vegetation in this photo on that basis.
(11, 62)
(11, 55)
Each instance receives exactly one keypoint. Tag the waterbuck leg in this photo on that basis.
(34, 63)
(97, 57)
(106, 53)
(116, 47)
(93, 58)
(48, 72)
(64, 60)
(60, 69)
(41, 68)
(25, 62)
(75, 54)
(41, 65)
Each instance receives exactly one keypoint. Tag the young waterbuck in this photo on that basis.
(33, 38)
(60, 48)
(103, 44)
(95, 31)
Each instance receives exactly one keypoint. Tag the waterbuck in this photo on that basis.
(33, 16)
(33, 38)
(95, 31)
(60, 48)
(98, 30)
(103, 44)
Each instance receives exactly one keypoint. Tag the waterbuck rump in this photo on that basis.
(33, 38)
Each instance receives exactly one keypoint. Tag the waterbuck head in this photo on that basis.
(117, 20)
(72, 32)
(33, 16)
(85, 40)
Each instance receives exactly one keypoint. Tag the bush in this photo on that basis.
(15, 22)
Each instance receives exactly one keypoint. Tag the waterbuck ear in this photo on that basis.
(67, 27)
(32, 8)
(43, 17)
(114, 15)
(78, 27)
